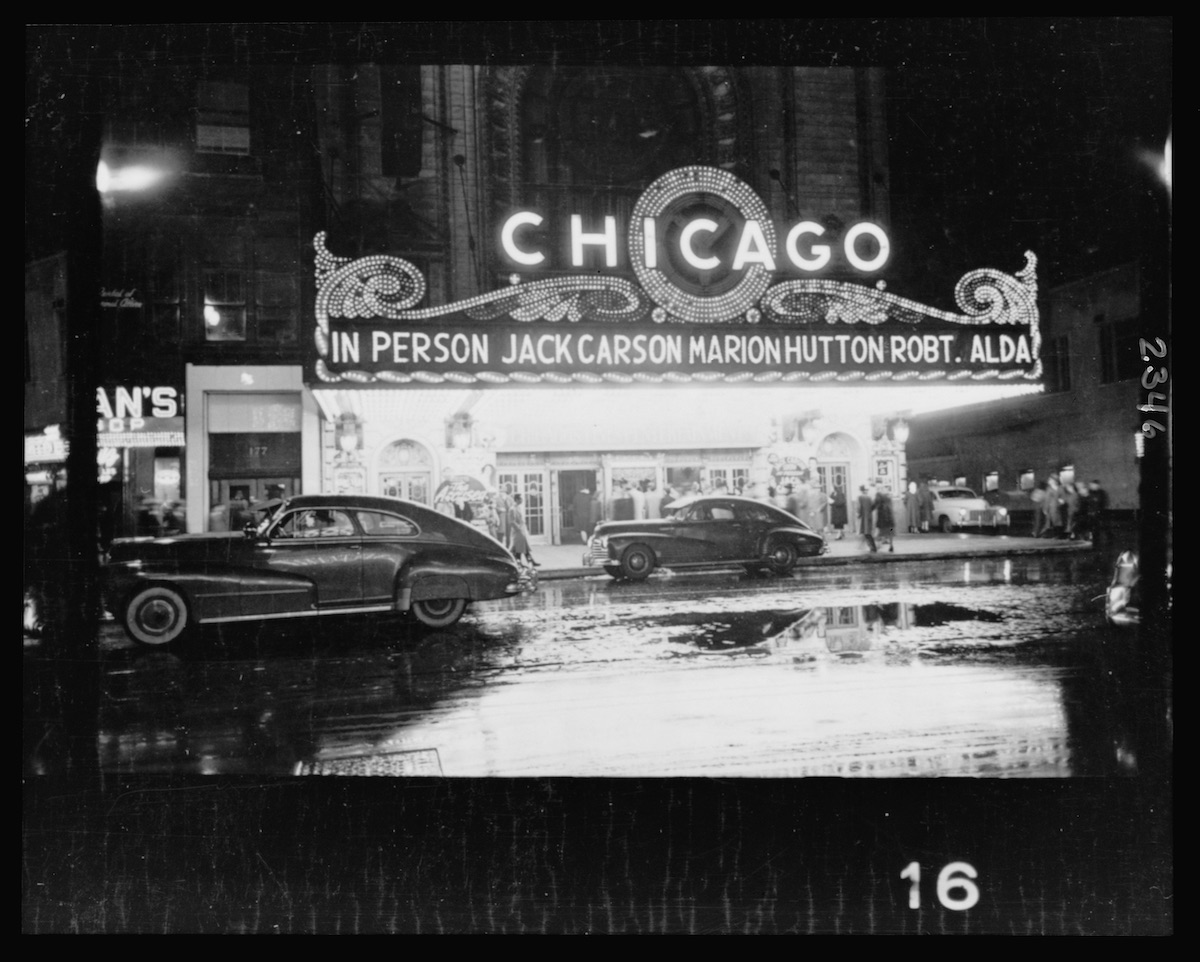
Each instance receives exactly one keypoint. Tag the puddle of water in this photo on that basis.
(840, 629)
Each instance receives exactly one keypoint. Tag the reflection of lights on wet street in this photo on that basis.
(760, 718)
(990, 668)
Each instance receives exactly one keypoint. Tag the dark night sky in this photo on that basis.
(1031, 134)
(1005, 134)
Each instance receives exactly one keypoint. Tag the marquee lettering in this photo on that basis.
(865, 245)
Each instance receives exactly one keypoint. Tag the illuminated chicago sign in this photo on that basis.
(720, 295)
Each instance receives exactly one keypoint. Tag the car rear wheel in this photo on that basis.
(781, 557)
(439, 612)
(637, 562)
(156, 616)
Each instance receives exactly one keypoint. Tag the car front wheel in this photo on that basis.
(439, 612)
(637, 562)
(781, 557)
(946, 526)
(156, 615)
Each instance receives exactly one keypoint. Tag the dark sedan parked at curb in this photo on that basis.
(309, 555)
(704, 532)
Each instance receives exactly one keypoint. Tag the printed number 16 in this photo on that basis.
(956, 875)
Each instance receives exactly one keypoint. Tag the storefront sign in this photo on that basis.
(39, 448)
(118, 297)
(717, 298)
(134, 409)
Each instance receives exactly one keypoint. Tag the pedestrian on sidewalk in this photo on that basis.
(838, 516)
(885, 519)
(912, 508)
(1038, 497)
(520, 536)
(504, 505)
(1054, 508)
(925, 504)
(1070, 501)
(866, 522)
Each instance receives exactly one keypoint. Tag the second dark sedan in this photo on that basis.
(704, 532)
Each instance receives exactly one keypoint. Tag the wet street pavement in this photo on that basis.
(995, 666)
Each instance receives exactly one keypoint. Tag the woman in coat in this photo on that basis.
(520, 537)
(838, 516)
(924, 506)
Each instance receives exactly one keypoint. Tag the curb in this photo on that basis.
(886, 557)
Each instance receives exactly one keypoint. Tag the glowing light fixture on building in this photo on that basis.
(809, 431)
(349, 434)
(899, 430)
(458, 432)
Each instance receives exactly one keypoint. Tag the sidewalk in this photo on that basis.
(566, 560)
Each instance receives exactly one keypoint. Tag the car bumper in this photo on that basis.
(596, 554)
(526, 580)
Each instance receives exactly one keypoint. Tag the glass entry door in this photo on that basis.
(532, 486)
(406, 485)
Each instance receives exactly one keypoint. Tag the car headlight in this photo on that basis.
(962, 514)
(1001, 512)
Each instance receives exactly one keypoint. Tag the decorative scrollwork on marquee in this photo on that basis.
(985, 296)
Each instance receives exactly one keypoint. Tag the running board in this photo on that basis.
(276, 616)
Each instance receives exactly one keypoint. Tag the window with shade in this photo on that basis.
(223, 118)
(224, 305)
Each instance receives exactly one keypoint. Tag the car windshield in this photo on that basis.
(957, 493)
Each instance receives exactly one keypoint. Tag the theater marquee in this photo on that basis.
(718, 298)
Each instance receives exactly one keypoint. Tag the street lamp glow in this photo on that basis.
(123, 179)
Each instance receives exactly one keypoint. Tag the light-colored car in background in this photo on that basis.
(955, 507)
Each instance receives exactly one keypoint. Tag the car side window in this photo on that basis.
(375, 524)
(314, 523)
(721, 512)
(753, 512)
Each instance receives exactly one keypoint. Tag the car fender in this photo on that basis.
(799, 536)
(617, 543)
(467, 577)
(668, 548)
(212, 596)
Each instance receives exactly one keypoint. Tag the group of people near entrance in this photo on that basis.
(1075, 510)
(503, 515)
